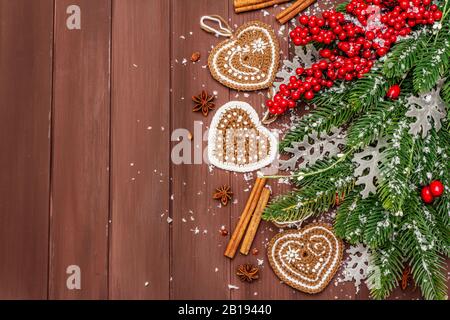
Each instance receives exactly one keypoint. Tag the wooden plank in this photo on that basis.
(139, 261)
(80, 176)
(199, 269)
(26, 33)
(269, 287)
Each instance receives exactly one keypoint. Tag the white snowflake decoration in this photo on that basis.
(259, 46)
(371, 164)
(356, 267)
(292, 255)
(321, 147)
(302, 58)
(432, 108)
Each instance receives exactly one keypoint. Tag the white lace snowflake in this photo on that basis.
(327, 145)
(259, 46)
(304, 57)
(432, 107)
(356, 268)
(292, 255)
(367, 167)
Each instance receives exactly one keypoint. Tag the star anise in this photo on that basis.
(223, 194)
(247, 272)
(204, 103)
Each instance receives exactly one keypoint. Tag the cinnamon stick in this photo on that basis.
(245, 3)
(259, 5)
(254, 223)
(292, 11)
(244, 220)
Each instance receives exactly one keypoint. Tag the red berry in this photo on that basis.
(277, 97)
(348, 77)
(436, 188)
(394, 92)
(437, 15)
(342, 36)
(296, 95)
(291, 104)
(269, 103)
(300, 71)
(404, 4)
(426, 195)
(325, 53)
(309, 95)
(323, 65)
(304, 20)
(381, 51)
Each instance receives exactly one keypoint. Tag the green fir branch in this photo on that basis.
(369, 127)
(396, 169)
(370, 90)
(331, 111)
(433, 61)
(386, 266)
(315, 195)
(403, 56)
(420, 246)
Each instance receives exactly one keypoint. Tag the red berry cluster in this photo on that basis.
(352, 48)
(435, 189)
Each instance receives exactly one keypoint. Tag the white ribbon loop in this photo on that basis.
(224, 31)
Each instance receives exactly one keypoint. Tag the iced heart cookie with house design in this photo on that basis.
(237, 141)
(306, 259)
(249, 60)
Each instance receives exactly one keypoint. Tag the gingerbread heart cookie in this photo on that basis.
(249, 60)
(306, 259)
(237, 141)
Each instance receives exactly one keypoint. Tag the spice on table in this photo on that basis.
(254, 223)
(195, 56)
(292, 11)
(244, 220)
(223, 194)
(204, 103)
(255, 251)
(251, 5)
(247, 272)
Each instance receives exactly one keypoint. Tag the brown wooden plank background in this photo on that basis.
(86, 123)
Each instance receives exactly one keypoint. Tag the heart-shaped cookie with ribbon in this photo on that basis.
(237, 141)
(306, 259)
(249, 60)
